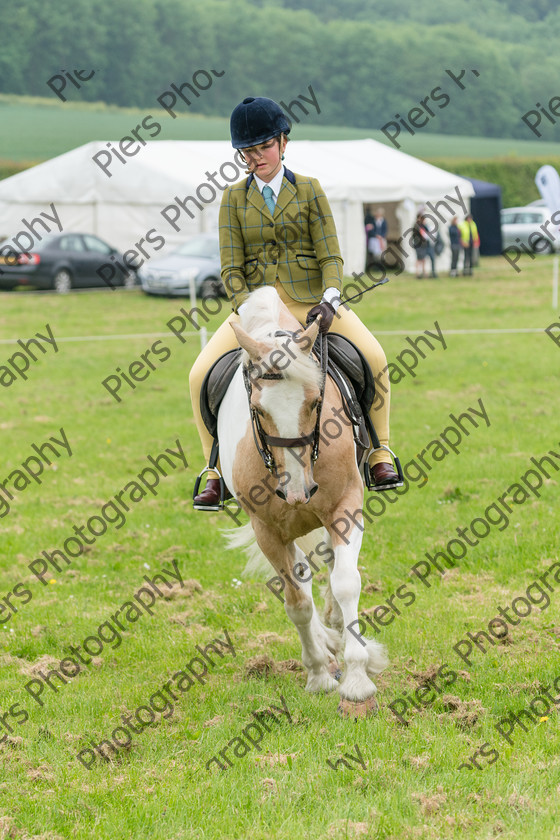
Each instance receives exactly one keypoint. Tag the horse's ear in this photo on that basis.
(254, 348)
(307, 338)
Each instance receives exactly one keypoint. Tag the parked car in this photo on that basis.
(521, 224)
(61, 262)
(198, 260)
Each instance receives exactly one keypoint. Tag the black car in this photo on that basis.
(62, 262)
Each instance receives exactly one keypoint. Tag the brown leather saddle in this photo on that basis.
(347, 367)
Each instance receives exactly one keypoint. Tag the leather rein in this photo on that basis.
(263, 440)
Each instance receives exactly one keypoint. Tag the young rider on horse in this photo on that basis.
(277, 229)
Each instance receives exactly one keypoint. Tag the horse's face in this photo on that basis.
(288, 410)
(285, 396)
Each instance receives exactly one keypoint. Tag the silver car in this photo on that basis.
(198, 260)
(531, 226)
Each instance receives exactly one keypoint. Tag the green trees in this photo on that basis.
(366, 59)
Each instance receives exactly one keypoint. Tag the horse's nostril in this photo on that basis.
(281, 494)
(313, 490)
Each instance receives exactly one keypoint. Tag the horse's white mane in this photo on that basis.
(261, 313)
(261, 319)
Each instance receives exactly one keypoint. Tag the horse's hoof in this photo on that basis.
(335, 670)
(358, 708)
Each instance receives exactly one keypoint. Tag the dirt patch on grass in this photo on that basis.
(45, 662)
(270, 788)
(520, 803)
(376, 586)
(417, 761)
(14, 741)
(465, 713)
(288, 665)
(259, 667)
(171, 553)
(272, 759)
(429, 674)
(347, 828)
(214, 721)
(187, 590)
(181, 618)
(262, 666)
(269, 638)
(430, 804)
(40, 774)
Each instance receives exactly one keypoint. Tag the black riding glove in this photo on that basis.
(327, 312)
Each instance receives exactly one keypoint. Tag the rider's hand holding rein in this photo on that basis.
(325, 312)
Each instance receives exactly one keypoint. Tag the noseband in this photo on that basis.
(262, 440)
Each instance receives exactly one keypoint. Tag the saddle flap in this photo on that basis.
(216, 382)
(350, 360)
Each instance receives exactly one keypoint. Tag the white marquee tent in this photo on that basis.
(124, 207)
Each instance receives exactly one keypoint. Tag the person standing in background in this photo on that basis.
(419, 240)
(469, 241)
(376, 233)
(369, 222)
(455, 242)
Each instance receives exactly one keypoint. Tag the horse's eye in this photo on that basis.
(315, 403)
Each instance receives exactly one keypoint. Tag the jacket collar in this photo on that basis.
(287, 174)
(287, 193)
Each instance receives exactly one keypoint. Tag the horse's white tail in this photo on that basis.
(258, 565)
(244, 538)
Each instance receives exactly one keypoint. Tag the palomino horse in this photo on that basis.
(267, 428)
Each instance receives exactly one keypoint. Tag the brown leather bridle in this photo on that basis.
(263, 440)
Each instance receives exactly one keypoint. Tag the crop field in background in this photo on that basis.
(36, 129)
(407, 783)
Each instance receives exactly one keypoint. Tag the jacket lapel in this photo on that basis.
(254, 197)
(287, 194)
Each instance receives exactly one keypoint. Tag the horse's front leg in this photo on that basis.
(361, 657)
(318, 643)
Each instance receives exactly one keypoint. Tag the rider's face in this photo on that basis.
(265, 159)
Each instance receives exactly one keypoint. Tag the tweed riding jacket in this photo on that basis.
(296, 246)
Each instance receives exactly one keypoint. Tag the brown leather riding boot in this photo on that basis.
(210, 498)
(385, 477)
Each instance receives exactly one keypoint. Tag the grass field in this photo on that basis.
(35, 129)
(407, 783)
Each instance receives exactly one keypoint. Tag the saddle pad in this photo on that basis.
(216, 382)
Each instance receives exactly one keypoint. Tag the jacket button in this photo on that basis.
(274, 262)
(271, 224)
